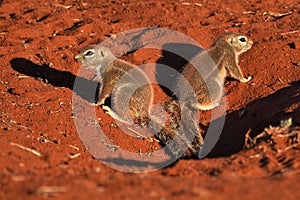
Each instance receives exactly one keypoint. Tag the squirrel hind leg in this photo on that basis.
(141, 121)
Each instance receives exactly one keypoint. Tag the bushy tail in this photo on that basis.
(180, 134)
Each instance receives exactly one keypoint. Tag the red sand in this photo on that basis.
(38, 43)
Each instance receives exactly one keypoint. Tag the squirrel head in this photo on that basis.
(239, 42)
(94, 57)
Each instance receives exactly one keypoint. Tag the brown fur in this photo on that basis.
(200, 88)
(117, 82)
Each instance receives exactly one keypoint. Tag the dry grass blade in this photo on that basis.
(276, 14)
(290, 32)
(288, 148)
(51, 189)
(186, 4)
(76, 148)
(63, 6)
(74, 156)
(27, 149)
(137, 133)
(249, 142)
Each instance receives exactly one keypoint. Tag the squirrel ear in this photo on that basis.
(230, 40)
(102, 53)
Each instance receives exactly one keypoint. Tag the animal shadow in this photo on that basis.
(85, 88)
(174, 57)
(259, 114)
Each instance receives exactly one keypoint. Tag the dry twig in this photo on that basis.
(26, 149)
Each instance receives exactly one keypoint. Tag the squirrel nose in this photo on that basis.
(77, 57)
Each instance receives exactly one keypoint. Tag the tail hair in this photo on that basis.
(180, 135)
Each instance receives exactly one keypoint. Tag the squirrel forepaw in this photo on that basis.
(106, 109)
(245, 80)
(100, 102)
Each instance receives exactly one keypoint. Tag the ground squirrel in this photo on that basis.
(119, 78)
(206, 81)
(201, 86)
(208, 74)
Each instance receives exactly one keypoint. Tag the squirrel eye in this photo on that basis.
(89, 53)
(243, 39)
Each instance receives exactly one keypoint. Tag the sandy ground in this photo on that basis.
(42, 155)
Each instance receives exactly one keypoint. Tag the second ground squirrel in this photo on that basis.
(205, 74)
(201, 86)
(120, 79)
